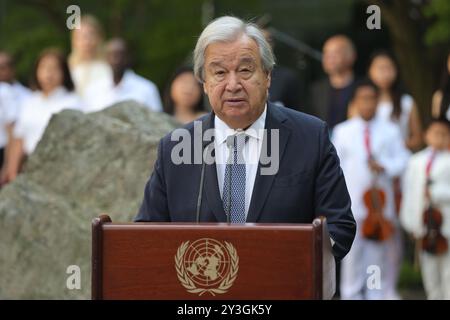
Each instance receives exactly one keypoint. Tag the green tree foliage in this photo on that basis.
(161, 33)
(439, 30)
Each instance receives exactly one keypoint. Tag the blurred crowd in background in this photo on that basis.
(396, 164)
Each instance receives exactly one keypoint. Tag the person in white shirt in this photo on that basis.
(87, 64)
(126, 85)
(12, 94)
(183, 97)
(372, 152)
(6, 117)
(429, 170)
(54, 93)
(8, 75)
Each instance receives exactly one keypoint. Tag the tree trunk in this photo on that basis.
(413, 57)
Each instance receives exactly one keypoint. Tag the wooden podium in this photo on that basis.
(211, 261)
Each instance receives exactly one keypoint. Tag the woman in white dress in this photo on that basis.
(86, 61)
(54, 92)
(397, 106)
(394, 103)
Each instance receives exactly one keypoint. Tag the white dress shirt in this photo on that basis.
(130, 87)
(20, 92)
(36, 112)
(6, 105)
(11, 97)
(251, 152)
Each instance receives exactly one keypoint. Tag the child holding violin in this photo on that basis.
(425, 210)
(372, 153)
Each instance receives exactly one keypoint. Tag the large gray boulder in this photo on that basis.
(85, 165)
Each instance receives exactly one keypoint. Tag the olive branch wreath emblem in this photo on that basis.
(189, 285)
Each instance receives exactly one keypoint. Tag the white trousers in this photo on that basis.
(436, 275)
(363, 269)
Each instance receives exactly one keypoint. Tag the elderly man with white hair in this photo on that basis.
(233, 61)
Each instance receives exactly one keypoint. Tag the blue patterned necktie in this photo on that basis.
(233, 195)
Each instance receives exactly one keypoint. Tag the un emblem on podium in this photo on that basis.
(206, 265)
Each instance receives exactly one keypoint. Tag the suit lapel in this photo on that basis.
(212, 191)
(263, 183)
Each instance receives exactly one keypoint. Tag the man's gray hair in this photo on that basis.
(229, 29)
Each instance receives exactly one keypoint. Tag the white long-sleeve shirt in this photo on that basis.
(387, 148)
(414, 202)
(7, 103)
(131, 87)
(11, 98)
(36, 112)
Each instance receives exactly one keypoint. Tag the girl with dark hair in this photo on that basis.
(399, 108)
(54, 92)
(184, 96)
(48, 79)
(441, 98)
(394, 103)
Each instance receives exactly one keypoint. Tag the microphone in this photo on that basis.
(202, 183)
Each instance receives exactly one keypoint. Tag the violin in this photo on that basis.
(433, 242)
(376, 227)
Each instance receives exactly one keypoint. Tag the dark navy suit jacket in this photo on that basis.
(309, 182)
